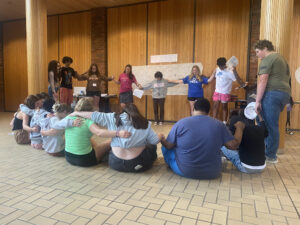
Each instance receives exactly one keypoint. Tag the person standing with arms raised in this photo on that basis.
(273, 93)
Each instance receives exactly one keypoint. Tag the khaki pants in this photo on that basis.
(22, 137)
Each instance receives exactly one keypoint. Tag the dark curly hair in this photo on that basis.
(261, 44)
(67, 59)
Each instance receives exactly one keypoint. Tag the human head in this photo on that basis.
(84, 104)
(94, 69)
(48, 104)
(138, 121)
(44, 95)
(30, 101)
(195, 70)
(39, 102)
(202, 105)
(61, 110)
(128, 70)
(262, 47)
(54, 66)
(221, 63)
(67, 61)
(158, 75)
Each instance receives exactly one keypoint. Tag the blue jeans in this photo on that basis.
(169, 156)
(273, 103)
(234, 157)
(50, 93)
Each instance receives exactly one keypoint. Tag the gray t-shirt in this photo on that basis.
(159, 88)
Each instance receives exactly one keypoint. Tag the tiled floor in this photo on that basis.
(36, 188)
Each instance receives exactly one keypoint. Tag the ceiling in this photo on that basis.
(15, 9)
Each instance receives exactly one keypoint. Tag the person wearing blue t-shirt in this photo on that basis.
(195, 81)
(192, 148)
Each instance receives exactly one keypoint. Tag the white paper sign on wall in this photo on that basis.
(164, 58)
(297, 75)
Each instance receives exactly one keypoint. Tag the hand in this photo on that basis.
(50, 115)
(141, 88)
(124, 134)
(35, 129)
(257, 107)
(239, 124)
(112, 77)
(43, 133)
(161, 137)
(77, 122)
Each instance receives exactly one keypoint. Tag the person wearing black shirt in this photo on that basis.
(250, 156)
(66, 75)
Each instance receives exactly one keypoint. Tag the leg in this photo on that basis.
(169, 157)
(234, 157)
(101, 149)
(96, 100)
(162, 109)
(216, 109)
(155, 108)
(192, 106)
(225, 110)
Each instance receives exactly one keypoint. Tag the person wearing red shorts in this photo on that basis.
(224, 78)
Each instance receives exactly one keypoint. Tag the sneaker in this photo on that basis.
(160, 123)
(155, 123)
(270, 160)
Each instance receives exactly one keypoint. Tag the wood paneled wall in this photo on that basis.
(67, 35)
(202, 32)
(15, 64)
(295, 63)
(126, 30)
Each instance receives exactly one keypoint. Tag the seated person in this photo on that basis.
(80, 149)
(138, 152)
(250, 156)
(20, 122)
(192, 148)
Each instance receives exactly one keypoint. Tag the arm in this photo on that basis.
(83, 76)
(137, 83)
(235, 143)
(147, 86)
(51, 132)
(176, 81)
(261, 87)
(116, 81)
(108, 133)
(237, 77)
(87, 115)
(25, 124)
(212, 77)
(166, 144)
(26, 110)
(13, 120)
(67, 123)
(52, 85)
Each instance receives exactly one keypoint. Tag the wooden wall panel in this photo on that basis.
(75, 41)
(52, 33)
(15, 64)
(126, 32)
(222, 31)
(171, 31)
(295, 63)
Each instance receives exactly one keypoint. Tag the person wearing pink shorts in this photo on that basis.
(224, 78)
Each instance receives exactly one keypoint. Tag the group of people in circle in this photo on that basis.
(194, 145)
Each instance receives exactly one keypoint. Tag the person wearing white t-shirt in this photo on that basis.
(224, 78)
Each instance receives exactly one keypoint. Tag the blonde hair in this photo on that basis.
(59, 108)
(198, 76)
(84, 104)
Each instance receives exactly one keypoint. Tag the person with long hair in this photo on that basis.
(53, 79)
(195, 81)
(126, 79)
(94, 79)
(138, 152)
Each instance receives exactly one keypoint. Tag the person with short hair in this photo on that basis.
(159, 88)
(192, 148)
(273, 93)
(224, 78)
(66, 87)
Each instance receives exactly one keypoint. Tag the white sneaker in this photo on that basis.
(270, 160)
(155, 123)
(160, 123)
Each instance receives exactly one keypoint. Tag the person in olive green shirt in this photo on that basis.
(273, 93)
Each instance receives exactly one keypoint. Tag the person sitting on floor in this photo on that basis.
(250, 156)
(138, 152)
(192, 148)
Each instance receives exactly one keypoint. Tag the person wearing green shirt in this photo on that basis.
(273, 93)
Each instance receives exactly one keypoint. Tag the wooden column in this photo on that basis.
(36, 39)
(275, 25)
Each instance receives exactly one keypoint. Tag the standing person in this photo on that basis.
(126, 79)
(273, 92)
(94, 79)
(53, 79)
(192, 148)
(66, 87)
(195, 81)
(224, 78)
(159, 91)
